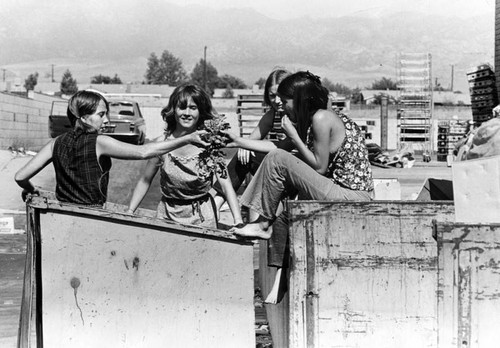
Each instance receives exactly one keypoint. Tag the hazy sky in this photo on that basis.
(285, 9)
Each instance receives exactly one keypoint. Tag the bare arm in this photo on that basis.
(325, 126)
(33, 167)
(231, 198)
(250, 144)
(118, 149)
(144, 183)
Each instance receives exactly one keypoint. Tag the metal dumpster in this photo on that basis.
(102, 278)
(362, 274)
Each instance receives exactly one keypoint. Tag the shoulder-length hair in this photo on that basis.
(180, 97)
(82, 104)
(274, 78)
(308, 96)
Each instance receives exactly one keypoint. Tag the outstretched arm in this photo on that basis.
(231, 198)
(118, 149)
(33, 167)
(249, 144)
(143, 185)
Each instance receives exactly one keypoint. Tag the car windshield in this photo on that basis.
(121, 108)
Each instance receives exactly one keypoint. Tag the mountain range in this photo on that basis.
(113, 37)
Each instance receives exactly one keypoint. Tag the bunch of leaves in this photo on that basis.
(211, 160)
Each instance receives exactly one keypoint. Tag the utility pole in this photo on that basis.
(452, 68)
(52, 65)
(205, 68)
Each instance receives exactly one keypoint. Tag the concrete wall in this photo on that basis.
(24, 121)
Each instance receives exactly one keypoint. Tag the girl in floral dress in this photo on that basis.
(185, 183)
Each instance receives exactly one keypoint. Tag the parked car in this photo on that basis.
(58, 120)
(125, 121)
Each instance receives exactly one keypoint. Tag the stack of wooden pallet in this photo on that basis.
(483, 92)
(449, 132)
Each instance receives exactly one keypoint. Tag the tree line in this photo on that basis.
(168, 69)
(164, 70)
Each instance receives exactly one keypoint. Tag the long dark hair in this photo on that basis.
(81, 104)
(180, 97)
(274, 78)
(308, 96)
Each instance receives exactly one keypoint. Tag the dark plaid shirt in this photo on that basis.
(79, 176)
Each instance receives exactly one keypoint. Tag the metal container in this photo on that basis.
(102, 278)
(363, 274)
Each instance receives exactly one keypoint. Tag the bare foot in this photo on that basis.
(253, 230)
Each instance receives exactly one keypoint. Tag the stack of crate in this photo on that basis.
(449, 132)
(483, 93)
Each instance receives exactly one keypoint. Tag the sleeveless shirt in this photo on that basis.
(80, 179)
(349, 166)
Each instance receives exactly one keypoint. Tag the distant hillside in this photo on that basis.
(92, 38)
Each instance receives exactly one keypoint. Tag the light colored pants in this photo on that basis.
(281, 172)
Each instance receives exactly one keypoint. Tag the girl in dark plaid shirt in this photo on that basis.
(82, 156)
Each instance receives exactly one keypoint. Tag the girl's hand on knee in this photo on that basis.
(244, 156)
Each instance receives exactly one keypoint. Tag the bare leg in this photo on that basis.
(252, 215)
(272, 297)
(258, 229)
(219, 201)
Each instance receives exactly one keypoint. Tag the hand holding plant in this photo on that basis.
(211, 160)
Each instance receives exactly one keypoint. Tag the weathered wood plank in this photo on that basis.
(469, 284)
(375, 273)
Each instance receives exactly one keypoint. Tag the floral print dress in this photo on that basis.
(349, 167)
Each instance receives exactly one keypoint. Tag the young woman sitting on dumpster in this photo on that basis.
(332, 161)
(246, 161)
(185, 179)
(82, 156)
